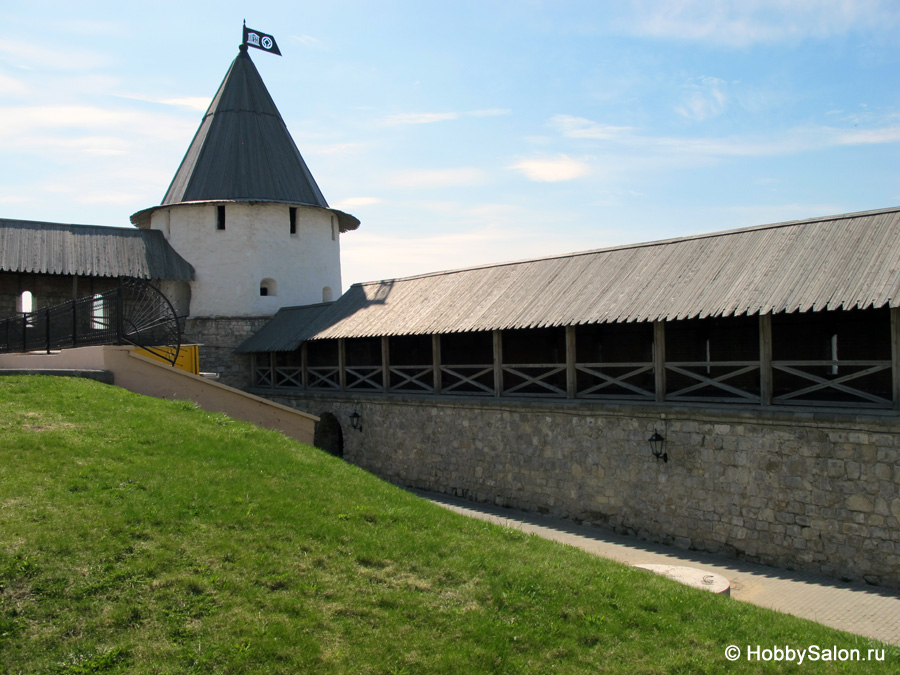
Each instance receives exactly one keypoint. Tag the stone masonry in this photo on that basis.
(813, 491)
(218, 337)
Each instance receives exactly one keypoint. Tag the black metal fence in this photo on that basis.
(135, 313)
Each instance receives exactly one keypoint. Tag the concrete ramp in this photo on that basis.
(146, 376)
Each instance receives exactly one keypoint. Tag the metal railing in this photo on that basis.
(134, 313)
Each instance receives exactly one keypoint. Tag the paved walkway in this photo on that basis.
(870, 611)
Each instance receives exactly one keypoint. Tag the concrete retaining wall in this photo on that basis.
(814, 491)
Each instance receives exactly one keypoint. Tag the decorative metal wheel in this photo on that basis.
(149, 320)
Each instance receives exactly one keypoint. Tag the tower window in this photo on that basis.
(268, 287)
(293, 216)
(220, 217)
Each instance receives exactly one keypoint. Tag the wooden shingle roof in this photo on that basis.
(89, 250)
(243, 152)
(840, 262)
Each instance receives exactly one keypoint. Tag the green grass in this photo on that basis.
(147, 536)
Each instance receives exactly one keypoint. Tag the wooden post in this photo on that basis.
(571, 374)
(304, 365)
(342, 365)
(765, 359)
(436, 362)
(498, 363)
(659, 359)
(895, 355)
(74, 322)
(385, 364)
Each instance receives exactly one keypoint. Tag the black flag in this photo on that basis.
(253, 38)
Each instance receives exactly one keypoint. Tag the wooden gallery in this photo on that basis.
(765, 361)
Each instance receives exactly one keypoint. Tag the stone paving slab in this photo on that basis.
(870, 611)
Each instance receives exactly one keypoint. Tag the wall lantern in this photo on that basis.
(657, 445)
(356, 421)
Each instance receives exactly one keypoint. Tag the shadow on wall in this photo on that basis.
(328, 435)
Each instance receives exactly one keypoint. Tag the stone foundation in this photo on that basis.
(813, 491)
(218, 337)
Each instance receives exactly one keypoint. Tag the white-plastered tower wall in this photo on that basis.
(252, 258)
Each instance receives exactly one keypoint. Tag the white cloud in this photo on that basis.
(428, 118)
(580, 127)
(866, 136)
(475, 235)
(777, 143)
(552, 170)
(200, 103)
(705, 98)
(81, 145)
(28, 55)
(421, 118)
(740, 23)
(334, 148)
(490, 112)
(430, 178)
(40, 126)
(307, 40)
(14, 199)
(353, 202)
(106, 197)
(10, 86)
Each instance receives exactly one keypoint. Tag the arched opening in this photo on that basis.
(268, 287)
(327, 294)
(328, 435)
(25, 302)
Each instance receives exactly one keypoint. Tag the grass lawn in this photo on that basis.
(148, 536)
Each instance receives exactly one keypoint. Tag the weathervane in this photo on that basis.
(259, 40)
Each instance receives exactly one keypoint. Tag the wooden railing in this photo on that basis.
(417, 379)
(832, 388)
(532, 379)
(709, 381)
(467, 380)
(851, 383)
(603, 383)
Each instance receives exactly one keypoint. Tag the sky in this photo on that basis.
(474, 131)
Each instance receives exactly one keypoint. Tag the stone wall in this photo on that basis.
(218, 337)
(814, 491)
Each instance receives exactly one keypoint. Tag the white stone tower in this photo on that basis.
(245, 211)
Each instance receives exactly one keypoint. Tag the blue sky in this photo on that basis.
(471, 132)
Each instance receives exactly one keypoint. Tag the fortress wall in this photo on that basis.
(813, 491)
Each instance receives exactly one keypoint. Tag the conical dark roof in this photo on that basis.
(243, 150)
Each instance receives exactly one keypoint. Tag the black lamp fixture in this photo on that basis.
(356, 421)
(657, 445)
